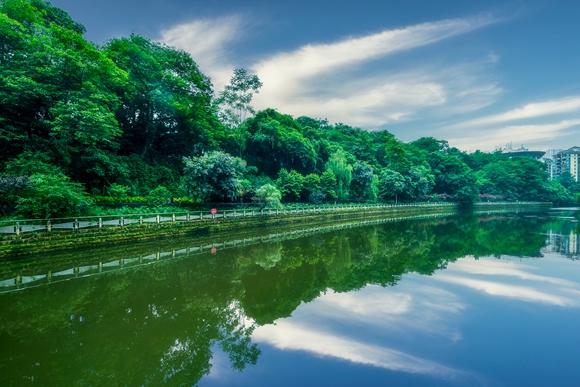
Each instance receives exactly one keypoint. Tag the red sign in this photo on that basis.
(213, 250)
(213, 211)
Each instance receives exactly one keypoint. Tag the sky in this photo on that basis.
(479, 74)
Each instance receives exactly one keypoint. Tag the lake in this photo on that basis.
(454, 300)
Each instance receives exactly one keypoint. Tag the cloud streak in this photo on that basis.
(337, 80)
(531, 110)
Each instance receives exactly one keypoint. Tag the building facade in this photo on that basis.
(566, 161)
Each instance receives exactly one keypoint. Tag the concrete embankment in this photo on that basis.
(31, 242)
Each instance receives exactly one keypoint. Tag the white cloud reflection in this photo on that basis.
(534, 288)
(420, 308)
(287, 335)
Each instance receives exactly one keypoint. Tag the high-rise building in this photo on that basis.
(567, 161)
(548, 159)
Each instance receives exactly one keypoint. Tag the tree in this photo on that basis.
(290, 184)
(53, 195)
(215, 176)
(391, 184)
(362, 179)
(453, 177)
(166, 108)
(57, 91)
(268, 195)
(160, 196)
(275, 141)
(234, 101)
(337, 163)
(310, 185)
(328, 184)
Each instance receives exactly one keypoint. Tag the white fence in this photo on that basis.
(19, 226)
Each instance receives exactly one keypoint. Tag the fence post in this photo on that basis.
(17, 228)
(48, 226)
(140, 219)
(187, 217)
(121, 222)
(173, 218)
(200, 216)
(158, 219)
(76, 224)
(100, 222)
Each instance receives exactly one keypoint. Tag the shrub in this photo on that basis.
(159, 196)
(118, 190)
(53, 195)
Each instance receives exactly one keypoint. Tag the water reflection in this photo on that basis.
(161, 324)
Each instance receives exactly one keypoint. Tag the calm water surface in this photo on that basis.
(490, 300)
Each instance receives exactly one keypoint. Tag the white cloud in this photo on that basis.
(341, 81)
(488, 139)
(207, 41)
(532, 110)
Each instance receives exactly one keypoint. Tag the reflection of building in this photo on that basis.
(565, 244)
(567, 161)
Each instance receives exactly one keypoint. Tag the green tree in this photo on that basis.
(57, 91)
(160, 196)
(362, 180)
(166, 105)
(328, 184)
(391, 184)
(236, 97)
(453, 177)
(290, 184)
(275, 141)
(268, 195)
(337, 163)
(53, 195)
(310, 185)
(215, 176)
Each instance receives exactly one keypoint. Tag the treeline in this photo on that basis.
(81, 123)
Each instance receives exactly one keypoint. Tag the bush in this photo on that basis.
(118, 190)
(159, 196)
(268, 195)
(52, 196)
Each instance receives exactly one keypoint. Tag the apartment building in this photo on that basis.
(566, 161)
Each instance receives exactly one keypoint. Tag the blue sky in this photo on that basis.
(477, 73)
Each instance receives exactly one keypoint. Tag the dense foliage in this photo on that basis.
(140, 115)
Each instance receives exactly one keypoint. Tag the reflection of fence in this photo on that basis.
(27, 281)
(30, 225)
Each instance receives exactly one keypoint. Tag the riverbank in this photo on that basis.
(84, 233)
